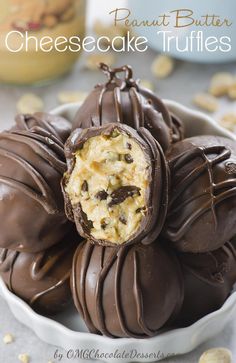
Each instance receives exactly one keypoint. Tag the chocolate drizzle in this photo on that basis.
(43, 279)
(39, 145)
(45, 124)
(32, 163)
(34, 301)
(202, 188)
(122, 100)
(207, 165)
(99, 293)
(139, 298)
(87, 257)
(208, 281)
(211, 267)
(118, 298)
(108, 281)
(7, 263)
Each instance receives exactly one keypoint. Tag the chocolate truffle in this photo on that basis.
(125, 101)
(41, 279)
(116, 186)
(32, 163)
(202, 206)
(208, 281)
(130, 291)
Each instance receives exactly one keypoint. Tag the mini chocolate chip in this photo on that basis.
(123, 220)
(89, 224)
(101, 195)
(128, 159)
(129, 146)
(84, 186)
(103, 225)
(140, 209)
(119, 195)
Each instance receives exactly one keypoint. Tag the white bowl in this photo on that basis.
(69, 332)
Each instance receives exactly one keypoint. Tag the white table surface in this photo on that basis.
(185, 81)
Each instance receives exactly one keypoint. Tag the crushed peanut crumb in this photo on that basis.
(216, 355)
(8, 338)
(229, 121)
(206, 102)
(162, 66)
(50, 21)
(220, 84)
(232, 91)
(24, 358)
(29, 103)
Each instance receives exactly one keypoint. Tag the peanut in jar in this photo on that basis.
(29, 31)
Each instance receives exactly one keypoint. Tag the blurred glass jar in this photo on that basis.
(27, 61)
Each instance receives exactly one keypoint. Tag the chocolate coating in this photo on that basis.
(125, 101)
(126, 292)
(54, 125)
(156, 192)
(32, 163)
(233, 241)
(208, 281)
(41, 279)
(202, 208)
(178, 128)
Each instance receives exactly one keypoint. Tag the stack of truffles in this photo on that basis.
(37, 240)
(156, 212)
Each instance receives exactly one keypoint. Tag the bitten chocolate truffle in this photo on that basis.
(116, 186)
(32, 163)
(125, 101)
(208, 281)
(202, 206)
(130, 291)
(41, 279)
